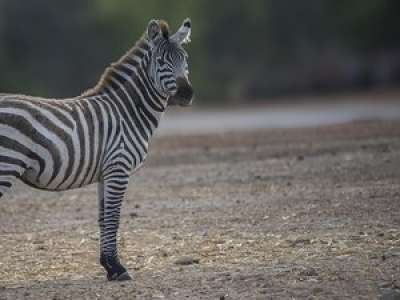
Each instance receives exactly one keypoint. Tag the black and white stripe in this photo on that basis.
(101, 136)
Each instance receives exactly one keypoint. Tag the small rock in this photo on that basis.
(300, 157)
(285, 244)
(204, 233)
(392, 236)
(137, 206)
(385, 149)
(38, 242)
(309, 272)
(385, 285)
(373, 256)
(133, 215)
(176, 237)
(219, 242)
(394, 252)
(317, 290)
(390, 295)
(356, 237)
(163, 253)
(187, 260)
(298, 241)
(221, 296)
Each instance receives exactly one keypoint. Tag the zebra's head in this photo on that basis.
(168, 67)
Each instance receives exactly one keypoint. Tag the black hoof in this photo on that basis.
(122, 277)
(115, 271)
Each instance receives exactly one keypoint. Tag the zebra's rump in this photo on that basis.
(50, 139)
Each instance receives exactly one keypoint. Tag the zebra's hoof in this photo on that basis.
(121, 277)
(115, 271)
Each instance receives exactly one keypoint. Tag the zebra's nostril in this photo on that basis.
(185, 92)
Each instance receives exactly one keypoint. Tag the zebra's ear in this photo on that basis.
(153, 29)
(182, 36)
(164, 29)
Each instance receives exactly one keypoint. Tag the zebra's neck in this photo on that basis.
(127, 85)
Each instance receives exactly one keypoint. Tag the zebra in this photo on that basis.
(101, 136)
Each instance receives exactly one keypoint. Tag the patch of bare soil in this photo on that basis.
(276, 214)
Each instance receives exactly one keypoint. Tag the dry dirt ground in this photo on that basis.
(275, 214)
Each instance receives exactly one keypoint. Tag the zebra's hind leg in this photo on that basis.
(8, 176)
(111, 192)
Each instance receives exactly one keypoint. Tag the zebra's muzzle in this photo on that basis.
(184, 93)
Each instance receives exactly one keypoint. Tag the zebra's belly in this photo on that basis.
(82, 174)
(32, 178)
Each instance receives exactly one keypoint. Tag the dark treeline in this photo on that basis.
(240, 50)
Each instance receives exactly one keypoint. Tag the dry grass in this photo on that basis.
(268, 217)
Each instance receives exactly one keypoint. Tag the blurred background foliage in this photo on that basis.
(241, 50)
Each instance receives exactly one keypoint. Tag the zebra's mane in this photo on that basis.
(105, 78)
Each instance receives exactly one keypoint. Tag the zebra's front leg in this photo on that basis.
(111, 193)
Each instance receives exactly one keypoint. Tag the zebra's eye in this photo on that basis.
(160, 61)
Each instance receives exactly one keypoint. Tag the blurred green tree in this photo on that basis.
(240, 50)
